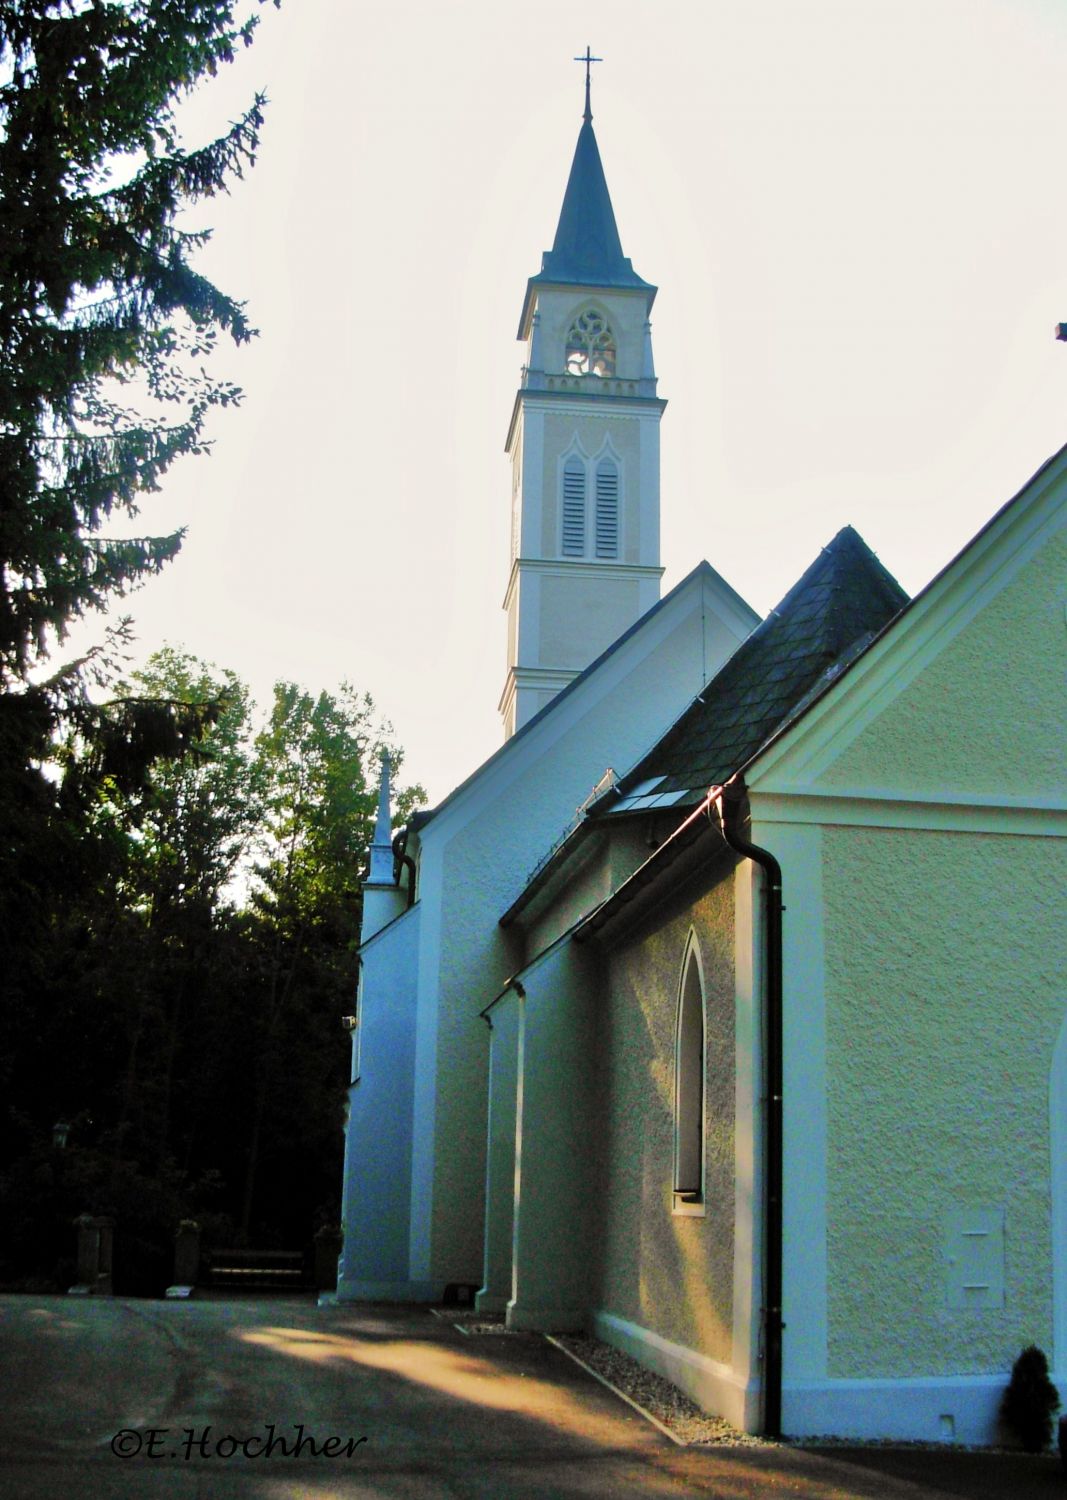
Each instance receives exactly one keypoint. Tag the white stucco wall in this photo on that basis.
(920, 815)
(581, 616)
(476, 856)
(377, 1183)
(946, 968)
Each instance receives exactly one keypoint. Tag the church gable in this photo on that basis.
(655, 667)
(957, 725)
(964, 697)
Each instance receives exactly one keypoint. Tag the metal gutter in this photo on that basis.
(728, 802)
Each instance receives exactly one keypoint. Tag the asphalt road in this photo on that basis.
(273, 1399)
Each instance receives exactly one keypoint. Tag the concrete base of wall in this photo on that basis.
(520, 1315)
(349, 1290)
(947, 1409)
(715, 1387)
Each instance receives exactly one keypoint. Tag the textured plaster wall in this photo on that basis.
(946, 956)
(581, 616)
(475, 865)
(669, 1273)
(992, 678)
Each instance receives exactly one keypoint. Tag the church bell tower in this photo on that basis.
(584, 449)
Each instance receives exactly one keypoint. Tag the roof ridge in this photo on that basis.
(842, 595)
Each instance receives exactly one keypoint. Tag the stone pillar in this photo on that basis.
(500, 1156)
(95, 1245)
(328, 1242)
(186, 1259)
(555, 1146)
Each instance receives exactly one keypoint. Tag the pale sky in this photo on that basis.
(855, 212)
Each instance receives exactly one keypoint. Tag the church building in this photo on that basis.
(722, 1011)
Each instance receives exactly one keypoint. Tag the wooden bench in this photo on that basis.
(261, 1270)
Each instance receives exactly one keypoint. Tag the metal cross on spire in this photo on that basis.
(588, 59)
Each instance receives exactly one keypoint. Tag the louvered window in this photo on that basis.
(574, 508)
(607, 509)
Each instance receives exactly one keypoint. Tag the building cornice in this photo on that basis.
(935, 811)
(581, 403)
(582, 567)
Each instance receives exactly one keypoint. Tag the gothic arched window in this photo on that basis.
(590, 345)
(689, 1083)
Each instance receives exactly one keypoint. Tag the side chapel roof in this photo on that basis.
(825, 619)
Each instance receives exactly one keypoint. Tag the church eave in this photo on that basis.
(580, 284)
(685, 853)
(545, 882)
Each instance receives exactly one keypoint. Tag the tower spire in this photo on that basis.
(588, 59)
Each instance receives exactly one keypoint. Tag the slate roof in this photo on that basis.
(827, 617)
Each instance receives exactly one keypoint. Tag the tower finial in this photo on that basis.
(588, 59)
(381, 849)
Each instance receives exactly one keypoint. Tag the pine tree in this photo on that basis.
(105, 328)
(104, 323)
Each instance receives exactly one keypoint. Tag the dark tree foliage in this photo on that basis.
(317, 760)
(185, 1011)
(104, 331)
(104, 324)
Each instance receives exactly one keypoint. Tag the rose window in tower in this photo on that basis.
(590, 346)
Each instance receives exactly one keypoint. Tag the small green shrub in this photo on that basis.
(1030, 1401)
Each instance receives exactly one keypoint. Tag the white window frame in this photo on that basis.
(690, 1077)
(591, 521)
